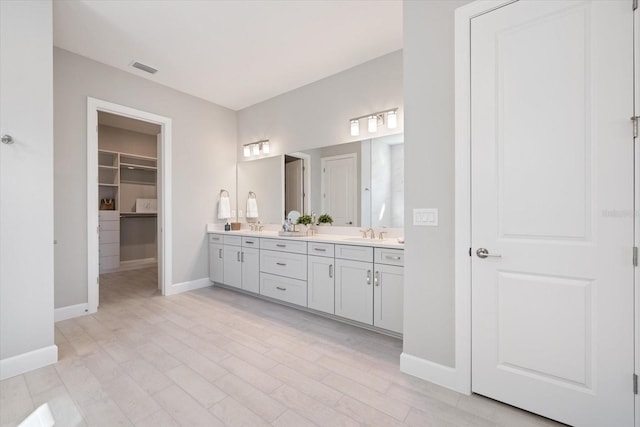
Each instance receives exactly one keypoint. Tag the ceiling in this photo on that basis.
(234, 53)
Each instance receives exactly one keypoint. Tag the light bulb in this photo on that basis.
(265, 147)
(247, 151)
(392, 119)
(355, 127)
(256, 149)
(372, 124)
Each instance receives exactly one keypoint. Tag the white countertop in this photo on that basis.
(318, 237)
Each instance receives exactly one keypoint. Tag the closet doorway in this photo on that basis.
(128, 154)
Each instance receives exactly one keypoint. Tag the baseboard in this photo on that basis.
(16, 365)
(436, 373)
(70, 311)
(188, 286)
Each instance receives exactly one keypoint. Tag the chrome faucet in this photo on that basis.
(373, 233)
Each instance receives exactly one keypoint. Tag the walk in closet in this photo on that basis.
(128, 193)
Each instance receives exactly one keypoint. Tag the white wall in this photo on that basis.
(203, 162)
(263, 177)
(318, 114)
(26, 190)
(429, 178)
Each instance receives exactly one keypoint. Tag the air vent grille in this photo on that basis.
(144, 67)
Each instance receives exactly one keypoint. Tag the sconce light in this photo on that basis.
(254, 148)
(355, 127)
(374, 120)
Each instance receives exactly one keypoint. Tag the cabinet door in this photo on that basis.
(354, 290)
(232, 271)
(216, 263)
(250, 258)
(388, 297)
(320, 288)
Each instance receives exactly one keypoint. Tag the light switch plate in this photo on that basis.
(425, 217)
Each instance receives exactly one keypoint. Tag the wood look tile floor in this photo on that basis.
(214, 357)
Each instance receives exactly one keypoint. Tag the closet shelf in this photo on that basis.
(107, 167)
(138, 214)
(107, 185)
(135, 166)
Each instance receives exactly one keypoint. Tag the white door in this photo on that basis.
(339, 185)
(552, 193)
(388, 297)
(232, 270)
(250, 258)
(321, 284)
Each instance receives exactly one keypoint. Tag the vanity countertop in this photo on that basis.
(391, 242)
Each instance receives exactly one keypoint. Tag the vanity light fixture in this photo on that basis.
(392, 119)
(255, 148)
(355, 127)
(374, 120)
(372, 124)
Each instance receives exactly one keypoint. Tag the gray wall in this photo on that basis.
(429, 178)
(318, 114)
(203, 162)
(265, 178)
(26, 192)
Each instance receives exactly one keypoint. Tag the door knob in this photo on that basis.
(484, 253)
(7, 139)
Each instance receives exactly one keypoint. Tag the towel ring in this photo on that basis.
(222, 193)
(251, 193)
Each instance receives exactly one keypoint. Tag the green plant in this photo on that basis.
(304, 219)
(325, 219)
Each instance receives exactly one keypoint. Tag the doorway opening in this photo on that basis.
(129, 227)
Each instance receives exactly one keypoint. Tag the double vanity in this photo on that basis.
(351, 279)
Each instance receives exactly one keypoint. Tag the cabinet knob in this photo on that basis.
(7, 139)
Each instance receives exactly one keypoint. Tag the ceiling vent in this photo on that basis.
(144, 67)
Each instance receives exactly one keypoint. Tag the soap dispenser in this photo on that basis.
(227, 226)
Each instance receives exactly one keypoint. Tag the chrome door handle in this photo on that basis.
(376, 278)
(241, 256)
(238, 253)
(330, 271)
(220, 253)
(368, 277)
(282, 264)
(484, 253)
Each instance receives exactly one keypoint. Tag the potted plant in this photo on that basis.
(325, 219)
(304, 220)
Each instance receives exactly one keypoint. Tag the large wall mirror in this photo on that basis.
(359, 184)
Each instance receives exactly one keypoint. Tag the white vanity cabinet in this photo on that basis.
(250, 260)
(232, 253)
(354, 283)
(321, 277)
(388, 289)
(351, 281)
(216, 259)
(283, 270)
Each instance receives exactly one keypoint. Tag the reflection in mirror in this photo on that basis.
(264, 178)
(358, 184)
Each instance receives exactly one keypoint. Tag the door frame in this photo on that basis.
(306, 176)
(95, 105)
(459, 377)
(636, 222)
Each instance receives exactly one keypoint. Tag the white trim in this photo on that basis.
(25, 362)
(166, 239)
(636, 111)
(463, 16)
(70, 311)
(188, 286)
(436, 373)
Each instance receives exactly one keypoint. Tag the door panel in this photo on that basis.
(339, 195)
(552, 161)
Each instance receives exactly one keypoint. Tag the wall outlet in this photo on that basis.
(425, 217)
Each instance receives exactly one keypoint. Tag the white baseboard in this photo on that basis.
(436, 373)
(188, 286)
(70, 311)
(16, 365)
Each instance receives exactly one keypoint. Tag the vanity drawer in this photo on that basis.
(284, 264)
(232, 240)
(250, 242)
(284, 245)
(109, 236)
(355, 253)
(389, 256)
(321, 249)
(284, 288)
(215, 238)
(109, 215)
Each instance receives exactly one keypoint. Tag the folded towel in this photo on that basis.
(224, 208)
(252, 208)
